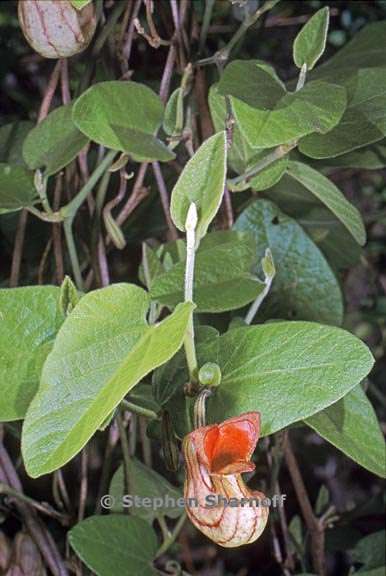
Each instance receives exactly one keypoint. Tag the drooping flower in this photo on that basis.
(215, 457)
(55, 29)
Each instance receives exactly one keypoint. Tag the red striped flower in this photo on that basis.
(54, 28)
(215, 458)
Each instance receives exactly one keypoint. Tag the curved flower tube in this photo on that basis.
(215, 457)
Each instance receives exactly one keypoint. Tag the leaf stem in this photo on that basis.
(69, 211)
(257, 303)
(190, 349)
(276, 154)
(223, 54)
(269, 274)
(173, 536)
(139, 410)
(75, 265)
(125, 452)
(205, 24)
(302, 77)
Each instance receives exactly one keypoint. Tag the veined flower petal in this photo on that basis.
(215, 457)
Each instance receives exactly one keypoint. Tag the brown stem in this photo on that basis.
(43, 261)
(178, 28)
(57, 232)
(126, 49)
(125, 450)
(33, 524)
(274, 459)
(43, 508)
(136, 195)
(201, 94)
(64, 81)
(112, 441)
(103, 263)
(50, 91)
(83, 484)
(167, 74)
(18, 249)
(227, 208)
(173, 235)
(315, 527)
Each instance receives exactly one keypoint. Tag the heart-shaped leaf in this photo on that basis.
(317, 107)
(104, 348)
(304, 286)
(252, 82)
(352, 426)
(287, 371)
(53, 143)
(29, 321)
(364, 121)
(202, 182)
(268, 115)
(123, 116)
(115, 544)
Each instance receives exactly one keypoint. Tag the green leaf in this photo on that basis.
(17, 189)
(240, 152)
(53, 143)
(366, 49)
(223, 279)
(123, 116)
(363, 123)
(11, 141)
(369, 158)
(142, 147)
(352, 426)
(143, 397)
(317, 107)
(370, 551)
(304, 286)
(115, 544)
(29, 321)
(270, 175)
(202, 181)
(287, 371)
(79, 4)
(241, 156)
(171, 112)
(373, 572)
(252, 82)
(104, 348)
(331, 196)
(310, 43)
(333, 239)
(146, 483)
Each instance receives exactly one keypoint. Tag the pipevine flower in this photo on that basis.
(215, 457)
(55, 29)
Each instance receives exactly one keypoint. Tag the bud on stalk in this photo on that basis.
(54, 28)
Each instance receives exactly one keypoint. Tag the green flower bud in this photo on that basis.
(209, 374)
(69, 296)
